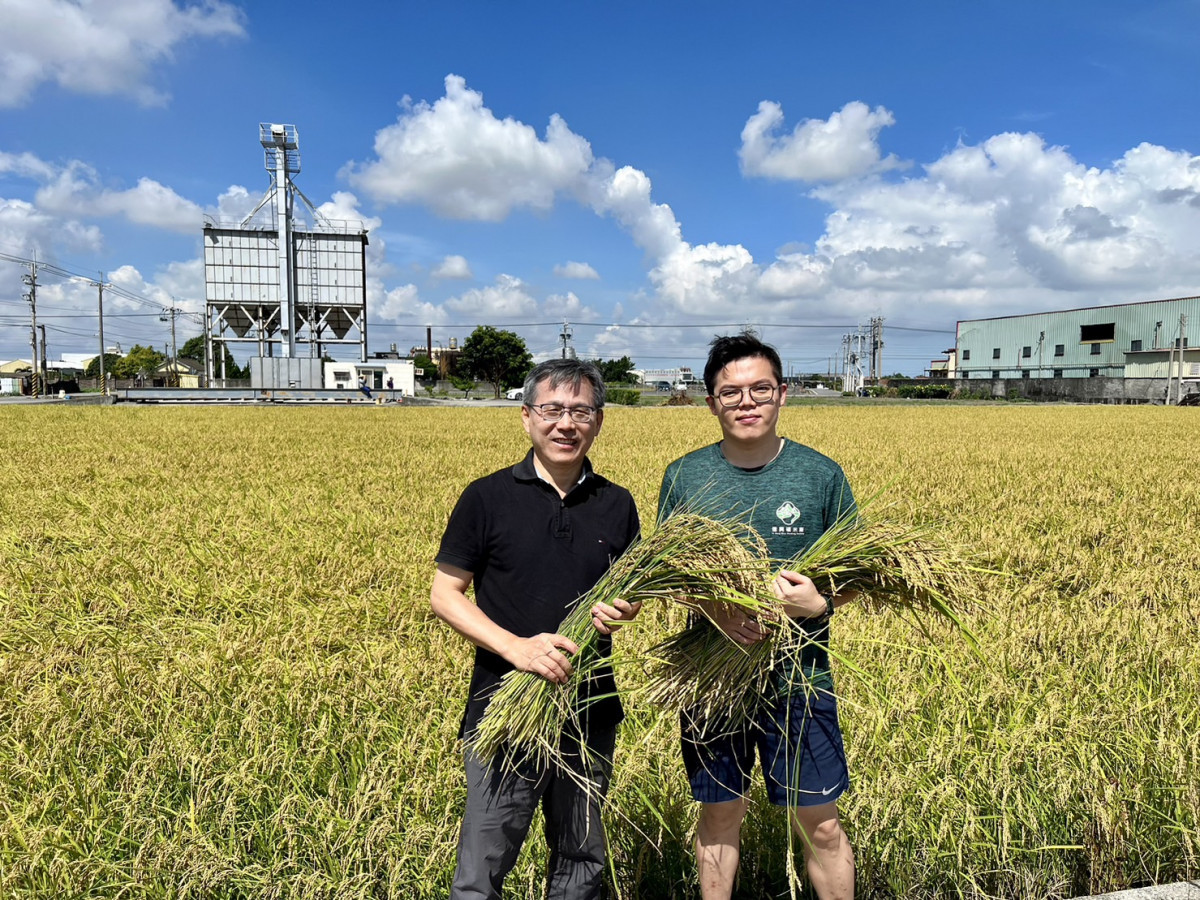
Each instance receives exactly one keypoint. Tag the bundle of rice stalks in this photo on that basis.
(689, 559)
(913, 568)
(701, 671)
(904, 568)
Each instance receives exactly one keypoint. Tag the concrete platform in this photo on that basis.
(1182, 890)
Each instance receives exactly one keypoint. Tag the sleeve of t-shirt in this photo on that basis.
(668, 497)
(839, 499)
(463, 543)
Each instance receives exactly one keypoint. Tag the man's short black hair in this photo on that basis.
(558, 372)
(726, 349)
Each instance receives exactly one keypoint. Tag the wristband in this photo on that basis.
(828, 605)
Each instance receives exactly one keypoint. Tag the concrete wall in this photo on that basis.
(1075, 390)
(281, 372)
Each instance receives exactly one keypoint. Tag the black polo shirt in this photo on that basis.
(532, 555)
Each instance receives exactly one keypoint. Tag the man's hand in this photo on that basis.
(547, 655)
(798, 594)
(607, 619)
(736, 624)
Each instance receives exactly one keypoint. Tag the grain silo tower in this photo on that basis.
(285, 281)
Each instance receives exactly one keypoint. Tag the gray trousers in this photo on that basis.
(500, 807)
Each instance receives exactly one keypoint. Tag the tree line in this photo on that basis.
(146, 360)
(501, 358)
(491, 355)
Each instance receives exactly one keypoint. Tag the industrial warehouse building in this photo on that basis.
(1129, 352)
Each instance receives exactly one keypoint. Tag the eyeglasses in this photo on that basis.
(759, 393)
(552, 412)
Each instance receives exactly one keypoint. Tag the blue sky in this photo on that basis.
(653, 173)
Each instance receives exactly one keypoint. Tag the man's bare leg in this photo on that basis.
(717, 835)
(828, 857)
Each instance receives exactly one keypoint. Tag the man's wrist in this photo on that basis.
(825, 613)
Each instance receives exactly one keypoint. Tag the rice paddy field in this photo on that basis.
(219, 674)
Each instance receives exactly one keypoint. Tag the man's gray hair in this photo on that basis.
(559, 372)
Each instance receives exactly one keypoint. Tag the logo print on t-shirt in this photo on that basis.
(788, 512)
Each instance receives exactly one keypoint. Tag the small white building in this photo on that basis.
(376, 372)
(11, 374)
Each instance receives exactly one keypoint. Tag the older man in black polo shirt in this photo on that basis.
(532, 539)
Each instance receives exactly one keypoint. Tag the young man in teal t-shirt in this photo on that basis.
(790, 494)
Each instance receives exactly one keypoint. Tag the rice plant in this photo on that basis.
(220, 676)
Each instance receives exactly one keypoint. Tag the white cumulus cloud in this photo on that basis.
(845, 145)
(388, 306)
(698, 279)
(458, 159)
(1013, 214)
(577, 270)
(74, 190)
(508, 296)
(34, 231)
(453, 268)
(105, 47)
(568, 306)
(26, 165)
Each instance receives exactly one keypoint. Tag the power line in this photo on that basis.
(605, 325)
(646, 325)
(63, 272)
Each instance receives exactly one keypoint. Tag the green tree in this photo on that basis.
(193, 348)
(616, 371)
(495, 355)
(428, 366)
(139, 359)
(466, 385)
(110, 365)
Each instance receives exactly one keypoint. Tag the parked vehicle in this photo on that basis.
(515, 394)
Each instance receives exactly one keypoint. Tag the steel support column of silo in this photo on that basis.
(283, 220)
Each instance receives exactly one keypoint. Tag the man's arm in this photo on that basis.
(802, 599)
(547, 655)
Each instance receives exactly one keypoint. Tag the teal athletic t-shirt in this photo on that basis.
(790, 502)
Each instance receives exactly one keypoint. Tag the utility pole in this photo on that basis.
(45, 370)
(207, 351)
(174, 377)
(31, 281)
(567, 349)
(876, 349)
(855, 346)
(100, 311)
(1182, 345)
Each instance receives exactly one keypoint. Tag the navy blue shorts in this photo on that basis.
(807, 769)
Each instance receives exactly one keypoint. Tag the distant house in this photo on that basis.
(12, 373)
(376, 373)
(182, 372)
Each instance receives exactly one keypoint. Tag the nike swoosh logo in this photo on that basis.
(825, 792)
